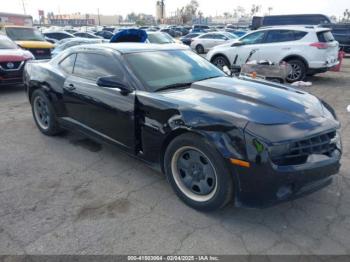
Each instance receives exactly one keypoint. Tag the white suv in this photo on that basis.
(308, 49)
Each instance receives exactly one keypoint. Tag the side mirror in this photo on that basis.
(239, 43)
(113, 82)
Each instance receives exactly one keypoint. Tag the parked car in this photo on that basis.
(104, 34)
(205, 42)
(58, 35)
(160, 38)
(187, 39)
(278, 20)
(71, 31)
(309, 50)
(30, 39)
(171, 32)
(236, 32)
(74, 42)
(200, 28)
(12, 61)
(341, 33)
(217, 139)
(86, 35)
(181, 29)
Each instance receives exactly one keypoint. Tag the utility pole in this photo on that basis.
(24, 7)
(98, 14)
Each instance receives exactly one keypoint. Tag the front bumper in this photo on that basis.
(264, 185)
(11, 76)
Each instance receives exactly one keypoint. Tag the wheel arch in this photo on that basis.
(34, 85)
(217, 55)
(169, 138)
(296, 57)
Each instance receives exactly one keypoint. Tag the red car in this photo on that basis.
(12, 60)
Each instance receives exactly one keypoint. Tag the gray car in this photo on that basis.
(74, 42)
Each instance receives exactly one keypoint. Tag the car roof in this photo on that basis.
(4, 37)
(306, 28)
(125, 48)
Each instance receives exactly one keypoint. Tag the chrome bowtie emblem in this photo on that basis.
(10, 65)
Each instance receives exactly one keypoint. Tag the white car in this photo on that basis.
(308, 49)
(205, 42)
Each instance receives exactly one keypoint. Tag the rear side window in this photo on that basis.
(93, 66)
(299, 35)
(325, 36)
(208, 36)
(67, 64)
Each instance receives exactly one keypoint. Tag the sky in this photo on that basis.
(209, 7)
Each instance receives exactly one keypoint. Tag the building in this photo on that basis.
(160, 10)
(79, 19)
(15, 19)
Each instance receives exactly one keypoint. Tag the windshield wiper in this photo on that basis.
(172, 86)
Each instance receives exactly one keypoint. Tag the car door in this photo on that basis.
(278, 44)
(103, 111)
(220, 39)
(250, 46)
(211, 40)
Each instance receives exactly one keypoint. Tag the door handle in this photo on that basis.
(70, 87)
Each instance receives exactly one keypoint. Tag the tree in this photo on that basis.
(270, 9)
(132, 17)
(346, 17)
(255, 9)
(189, 11)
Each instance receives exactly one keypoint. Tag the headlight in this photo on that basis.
(279, 150)
(337, 141)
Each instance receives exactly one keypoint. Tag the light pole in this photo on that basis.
(24, 7)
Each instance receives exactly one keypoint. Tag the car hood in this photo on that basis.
(14, 55)
(35, 44)
(253, 101)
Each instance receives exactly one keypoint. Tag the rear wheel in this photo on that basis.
(43, 114)
(198, 173)
(200, 49)
(298, 70)
(220, 62)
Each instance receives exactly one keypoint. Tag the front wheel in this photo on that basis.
(198, 173)
(200, 49)
(220, 62)
(43, 114)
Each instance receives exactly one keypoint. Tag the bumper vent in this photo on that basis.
(299, 151)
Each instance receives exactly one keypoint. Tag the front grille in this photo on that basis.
(10, 65)
(299, 151)
(40, 53)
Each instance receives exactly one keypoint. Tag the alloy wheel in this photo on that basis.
(295, 73)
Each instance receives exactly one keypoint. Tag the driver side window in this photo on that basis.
(92, 66)
(254, 38)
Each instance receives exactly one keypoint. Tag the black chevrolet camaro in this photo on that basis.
(217, 139)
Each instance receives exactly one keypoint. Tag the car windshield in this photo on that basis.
(160, 38)
(6, 43)
(230, 36)
(164, 68)
(24, 34)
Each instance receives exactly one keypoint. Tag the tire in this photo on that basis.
(220, 61)
(190, 159)
(200, 49)
(43, 114)
(298, 71)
